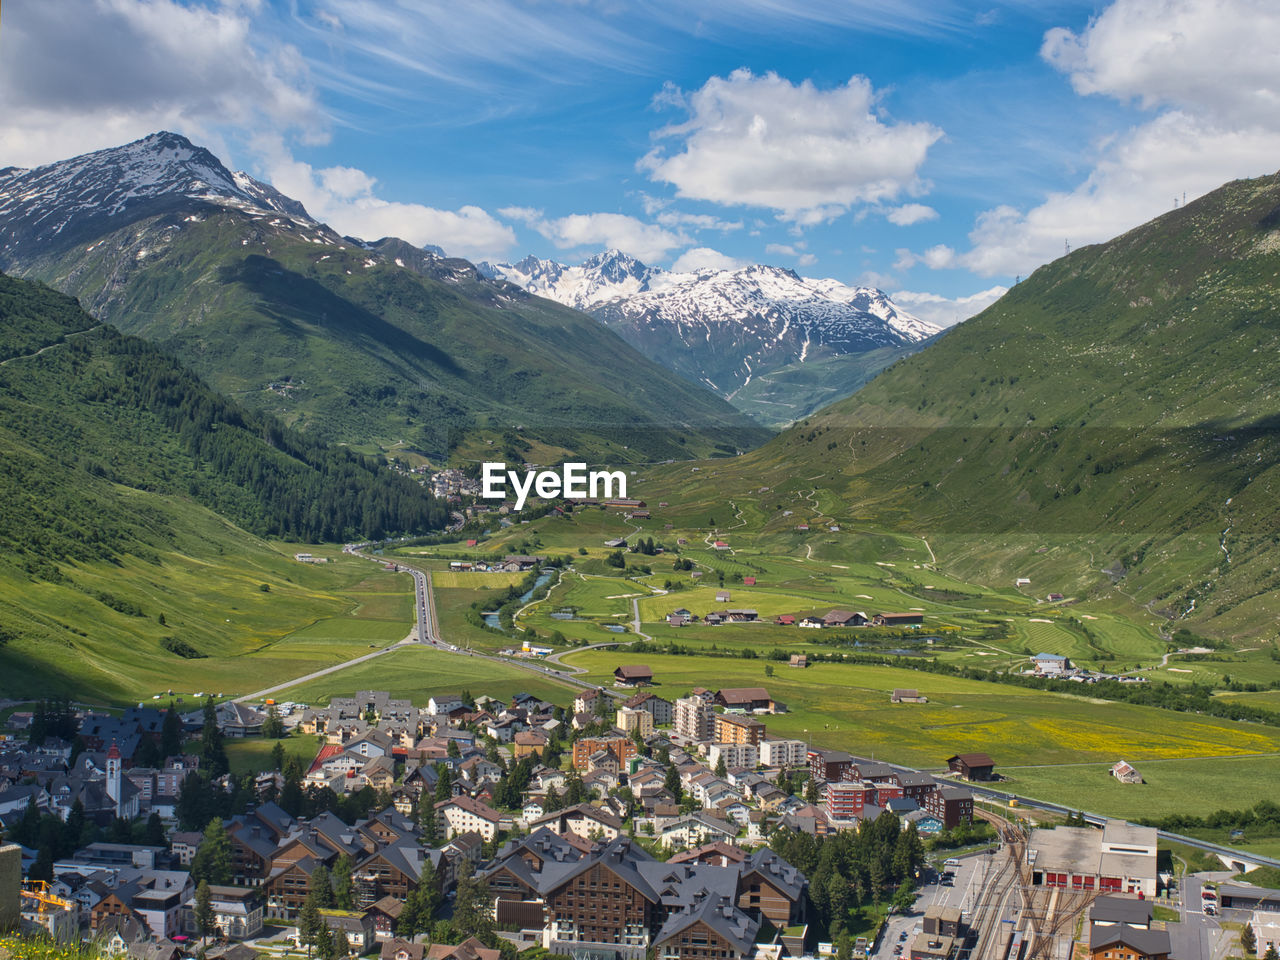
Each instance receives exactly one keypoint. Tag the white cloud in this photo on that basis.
(910, 213)
(946, 311)
(782, 249)
(645, 241)
(697, 221)
(704, 258)
(1207, 67)
(808, 154)
(343, 197)
(80, 75)
(1214, 58)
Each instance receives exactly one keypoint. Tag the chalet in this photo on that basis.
(697, 828)
(799, 660)
(749, 699)
(844, 618)
(741, 615)
(720, 545)
(581, 820)
(678, 618)
(748, 581)
(785, 620)
(468, 949)
(1055, 597)
(972, 766)
(397, 949)
(638, 515)
(529, 743)
(898, 619)
(723, 596)
(714, 618)
(811, 623)
(633, 675)
(907, 695)
(518, 563)
(1133, 943)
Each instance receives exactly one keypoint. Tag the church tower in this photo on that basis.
(115, 774)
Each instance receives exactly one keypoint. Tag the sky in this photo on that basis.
(938, 150)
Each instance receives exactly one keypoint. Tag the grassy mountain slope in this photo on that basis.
(130, 490)
(348, 345)
(1111, 420)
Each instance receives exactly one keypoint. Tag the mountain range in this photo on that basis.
(377, 344)
(773, 343)
(1107, 428)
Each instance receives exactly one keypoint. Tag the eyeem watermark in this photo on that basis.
(573, 482)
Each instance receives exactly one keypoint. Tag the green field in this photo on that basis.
(846, 706)
(211, 597)
(1194, 787)
(418, 672)
(254, 754)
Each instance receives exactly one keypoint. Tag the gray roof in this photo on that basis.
(1121, 910)
(720, 914)
(1147, 942)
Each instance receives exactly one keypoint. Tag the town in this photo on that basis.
(620, 825)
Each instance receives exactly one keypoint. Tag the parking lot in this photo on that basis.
(960, 893)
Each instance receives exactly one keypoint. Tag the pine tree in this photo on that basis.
(551, 802)
(471, 905)
(671, 781)
(811, 790)
(341, 945)
(722, 769)
(1248, 943)
(154, 833)
(321, 887)
(428, 822)
(444, 786)
(213, 861)
(171, 733)
(277, 756)
(204, 914)
(213, 754)
(273, 726)
(343, 886)
(310, 923)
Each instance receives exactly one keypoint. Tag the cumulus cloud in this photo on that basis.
(946, 311)
(910, 213)
(806, 153)
(80, 75)
(1205, 70)
(704, 258)
(344, 198)
(644, 241)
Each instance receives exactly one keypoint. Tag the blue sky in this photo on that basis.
(935, 149)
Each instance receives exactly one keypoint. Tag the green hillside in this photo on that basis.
(363, 346)
(133, 505)
(1108, 424)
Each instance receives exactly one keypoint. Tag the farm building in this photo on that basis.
(1125, 773)
(633, 675)
(972, 766)
(907, 695)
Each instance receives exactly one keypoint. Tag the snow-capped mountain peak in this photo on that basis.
(723, 327)
(163, 171)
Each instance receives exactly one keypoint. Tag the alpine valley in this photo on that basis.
(773, 343)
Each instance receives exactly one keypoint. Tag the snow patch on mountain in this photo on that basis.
(774, 302)
(159, 172)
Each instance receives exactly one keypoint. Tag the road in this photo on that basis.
(59, 343)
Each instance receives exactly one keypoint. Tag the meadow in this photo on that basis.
(257, 615)
(846, 707)
(416, 673)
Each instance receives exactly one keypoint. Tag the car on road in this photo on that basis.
(1210, 910)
